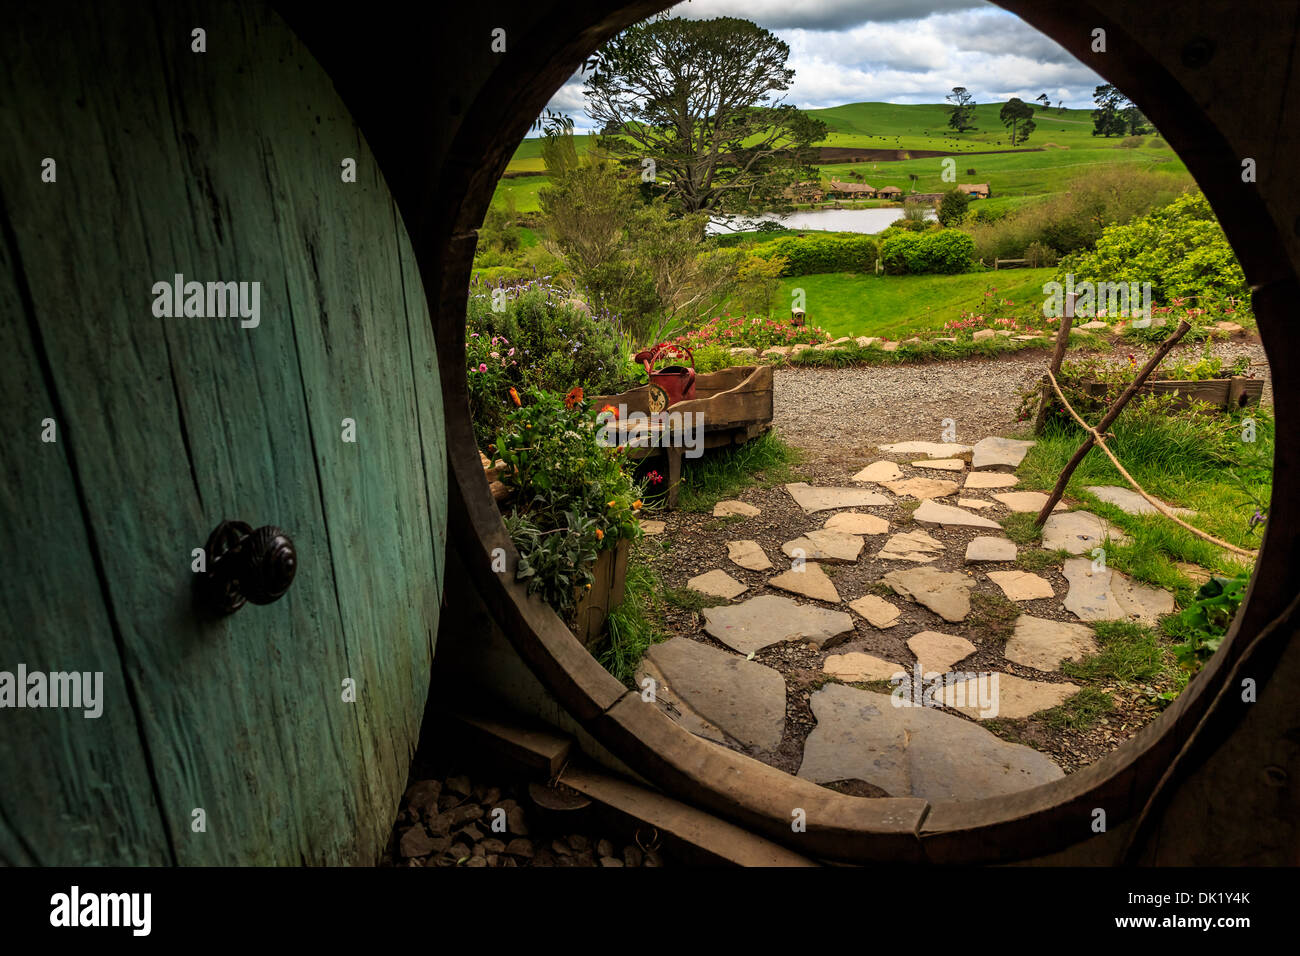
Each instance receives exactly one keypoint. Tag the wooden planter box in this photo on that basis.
(1226, 393)
(736, 405)
(607, 589)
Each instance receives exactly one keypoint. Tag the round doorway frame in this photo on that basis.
(1171, 69)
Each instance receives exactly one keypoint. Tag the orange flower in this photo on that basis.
(611, 409)
(574, 396)
(600, 535)
(636, 505)
(610, 504)
(514, 397)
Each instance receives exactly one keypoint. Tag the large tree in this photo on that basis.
(961, 115)
(1108, 118)
(700, 98)
(1017, 116)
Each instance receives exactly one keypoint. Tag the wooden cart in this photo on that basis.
(734, 404)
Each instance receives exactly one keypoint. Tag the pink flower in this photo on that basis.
(482, 367)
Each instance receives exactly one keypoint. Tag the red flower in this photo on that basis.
(574, 397)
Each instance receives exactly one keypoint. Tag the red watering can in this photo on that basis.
(669, 385)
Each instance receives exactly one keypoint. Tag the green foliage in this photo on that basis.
(1179, 248)
(952, 207)
(1073, 218)
(1203, 623)
(945, 251)
(542, 340)
(1016, 116)
(811, 254)
(573, 494)
(635, 624)
(714, 125)
(633, 258)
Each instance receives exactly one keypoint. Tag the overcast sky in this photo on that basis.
(897, 51)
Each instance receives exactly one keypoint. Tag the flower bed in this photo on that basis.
(728, 331)
(572, 498)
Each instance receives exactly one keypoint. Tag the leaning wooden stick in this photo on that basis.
(1058, 356)
(1109, 418)
(1155, 502)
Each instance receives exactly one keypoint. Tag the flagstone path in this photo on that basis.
(882, 579)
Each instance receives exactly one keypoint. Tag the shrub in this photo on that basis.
(1131, 142)
(1038, 254)
(952, 207)
(554, 340)
(943, 251)
(1073, 219)
(573, 493)
(810, 255)
(1180, 249)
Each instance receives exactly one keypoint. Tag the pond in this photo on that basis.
(834, 220)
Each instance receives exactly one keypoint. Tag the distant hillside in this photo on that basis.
(925, 126)
(1061, 149)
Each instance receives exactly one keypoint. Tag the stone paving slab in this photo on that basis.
(749, 555)
(922, 488)
(1042, 644)
(743, 509)
(769, 619)
(879, 471)
(853, 522)
(822, 545)
(986, 547)
(933, 513)
(937, 653)
(856, 667)
(914, 546)
(1109, 595)
(812, 498)
(651, 528)
(878, 612)
(946, 593)
(1015, 697)
(1079, 532)
(995, 453)
(930, 449)
(811, 581)
(1022, 585)
(976, 503)
(941, 464)
(914, 751)
(717, 583)
(1126, 499)
(981, 480)
(744, 699)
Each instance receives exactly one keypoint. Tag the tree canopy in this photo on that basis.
(696, 105)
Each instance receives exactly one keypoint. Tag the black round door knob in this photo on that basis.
(246, 565)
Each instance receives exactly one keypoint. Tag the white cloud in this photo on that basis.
(899, 51)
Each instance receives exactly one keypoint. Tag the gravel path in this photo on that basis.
(839, 415)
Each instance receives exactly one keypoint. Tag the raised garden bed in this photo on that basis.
(607, 591)
(1227, 393)
(733, 405)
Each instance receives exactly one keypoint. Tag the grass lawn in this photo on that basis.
(897, 306)
(1183, 459)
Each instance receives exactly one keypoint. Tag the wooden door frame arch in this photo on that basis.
(1189, 73)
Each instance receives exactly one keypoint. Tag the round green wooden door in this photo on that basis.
(209, 310)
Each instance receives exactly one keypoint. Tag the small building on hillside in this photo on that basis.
(854, 190)
(889, 192)
(975, 190)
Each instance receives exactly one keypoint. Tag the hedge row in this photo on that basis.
(810, 255)
(915, 253)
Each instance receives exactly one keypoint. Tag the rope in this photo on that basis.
(1155, 502)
